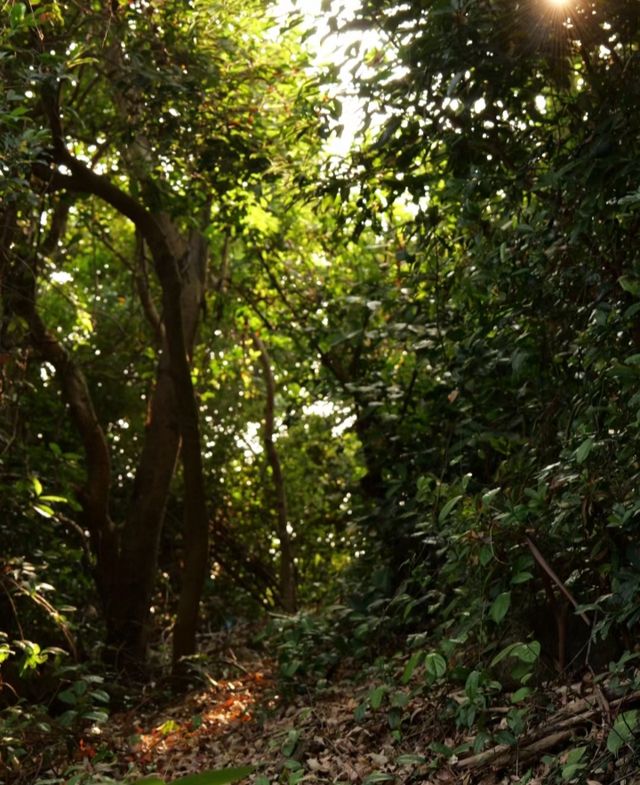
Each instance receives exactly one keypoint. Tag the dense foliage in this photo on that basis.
(390, 399)
(513, 130)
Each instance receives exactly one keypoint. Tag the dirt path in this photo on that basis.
(355, 730)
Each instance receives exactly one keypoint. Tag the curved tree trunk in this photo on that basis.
(18, 292)
(179, 263)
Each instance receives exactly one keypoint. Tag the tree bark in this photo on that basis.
(128, 618)
(196, 527)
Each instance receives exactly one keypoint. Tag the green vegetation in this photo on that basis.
(382, 411)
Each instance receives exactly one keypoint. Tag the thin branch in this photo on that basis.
(556, 729)
(287, 571)
(544, 564)
(223, 281)
(325, 358)
(38, 599)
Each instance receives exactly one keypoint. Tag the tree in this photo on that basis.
(169, 117)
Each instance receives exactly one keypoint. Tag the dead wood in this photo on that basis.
(558, 728)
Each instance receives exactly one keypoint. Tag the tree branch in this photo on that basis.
(82, 179)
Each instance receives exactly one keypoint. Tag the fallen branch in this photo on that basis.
(503, 753)
(557, 729)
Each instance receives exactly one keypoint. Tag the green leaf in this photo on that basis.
(152, 780)
(170, 726)
(441, 749)
(378, 776)
(435, 664)
(506, 737)
(262, 221)
(521, 577)
(216, 777)
(631, 311)
(294, 777)
(95, 716)
(526, 652)
(410, 760)
(444, 512)
(630, 285)
(290, 744)
(520, 695)
(415, 660)
(573, 765)
(68, 696)
(375, 697)
(100, 695)
(17, 14)
(582, 453)
(575, 755)
(488, 497)
(503, 654)
(570, 770)
(291, 668)
(399, 699)
(485, 555)
(623, 730)
(500, 606)
(471, 685)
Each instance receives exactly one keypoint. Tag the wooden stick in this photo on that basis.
(503, 753)
(558, 728)
(544, 564)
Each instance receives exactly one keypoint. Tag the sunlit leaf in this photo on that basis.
(17, 13)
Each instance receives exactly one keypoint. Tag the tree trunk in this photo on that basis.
(179, 263)
(176, 286)
(180, 267)
(127, 612)
(18, 290)
(128, 618)
(287, 564)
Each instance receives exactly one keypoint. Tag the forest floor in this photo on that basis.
(321, 736)
(240, 720)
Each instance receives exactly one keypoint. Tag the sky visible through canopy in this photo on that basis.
(330, 47)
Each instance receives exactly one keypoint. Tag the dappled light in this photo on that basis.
(319, 409)
(190, 734)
